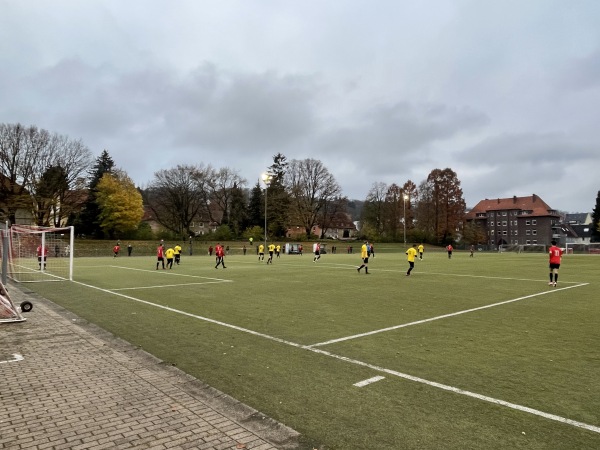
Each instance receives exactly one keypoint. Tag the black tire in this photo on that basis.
(26, 306)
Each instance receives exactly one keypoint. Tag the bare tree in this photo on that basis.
(373, 213)
(32, 159)
(179, 196)
(223, 183)
(448, 203)
(311, 187)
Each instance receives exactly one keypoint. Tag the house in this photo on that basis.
(579, 219)
(341, 226)
(516, 221)
(15, 199)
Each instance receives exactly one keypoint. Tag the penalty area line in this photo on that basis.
(170, 285)
(459, 391)
(444, 316)
(434, 384)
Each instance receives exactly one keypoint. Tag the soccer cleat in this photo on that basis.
(550, 284)
(358, 269)
(554, 284)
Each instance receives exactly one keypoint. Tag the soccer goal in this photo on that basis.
(36, 254)
(523, 248)
(583, 249)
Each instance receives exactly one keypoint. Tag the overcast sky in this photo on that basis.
(506, 93)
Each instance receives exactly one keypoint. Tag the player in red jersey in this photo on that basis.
(555, 259)
(220, 254)
(160, 256)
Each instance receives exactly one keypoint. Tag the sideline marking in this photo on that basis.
(16, 357)
(445, 316)
(405, 376)
(368, 381)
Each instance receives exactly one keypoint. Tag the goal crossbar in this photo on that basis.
(37, 254)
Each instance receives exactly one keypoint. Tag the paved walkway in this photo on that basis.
(79, 387)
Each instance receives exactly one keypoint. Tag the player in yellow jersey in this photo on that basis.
(261, 252)
(271, 250)
(177, 249)
(411, 255)
(421, 251)
(169, 253)
(364, 255)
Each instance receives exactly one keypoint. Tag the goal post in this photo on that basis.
(39, 253)
(592, 248)
(523, 248)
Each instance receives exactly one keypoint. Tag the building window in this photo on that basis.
(504, 213)
(504, 223)
(528, 232)
(528, 242)
(492, 233)
(534, 242)
(516, 232)
(528, 222)
(504, 232)
(534, 232)
(533, 222)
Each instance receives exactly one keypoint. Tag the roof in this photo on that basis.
(583, 231)
(578, 218)
(533, 203)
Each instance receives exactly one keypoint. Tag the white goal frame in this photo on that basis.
(588, 248)
(39, 253)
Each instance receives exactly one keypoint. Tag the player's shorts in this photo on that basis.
(160, 259)
(411, 264)
(554, 266)
(366, 260)
(317, 253)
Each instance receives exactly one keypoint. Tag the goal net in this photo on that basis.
(8, 311)
(583, 249)
(36, 254)
(524, 248)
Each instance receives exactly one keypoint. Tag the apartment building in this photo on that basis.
(516, 221)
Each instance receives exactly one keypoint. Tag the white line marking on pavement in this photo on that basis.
(16, 357)
(369, 381)
(405, 376)
(445, 316)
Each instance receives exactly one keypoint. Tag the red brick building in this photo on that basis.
(516, 220)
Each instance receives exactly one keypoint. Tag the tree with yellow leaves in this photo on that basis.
(120, 203)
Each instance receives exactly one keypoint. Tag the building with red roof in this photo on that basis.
(516, 221)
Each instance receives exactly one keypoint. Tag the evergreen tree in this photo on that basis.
(596, 220)
(278, 197)
(255, 207)
(88, 222)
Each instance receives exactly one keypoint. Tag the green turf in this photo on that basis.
(250, 330)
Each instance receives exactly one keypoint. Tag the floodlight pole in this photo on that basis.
(266, 177)
(405, 198)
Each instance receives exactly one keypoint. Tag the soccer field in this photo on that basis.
(466, 353)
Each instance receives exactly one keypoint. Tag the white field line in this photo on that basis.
(444, 316)
(364, 383)
(456, 390)
(372, 269)
(170, 285)
(16, 357)
(405, 376)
